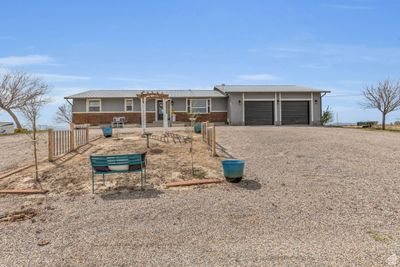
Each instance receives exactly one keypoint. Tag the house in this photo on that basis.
(231, 104)
(6, 127)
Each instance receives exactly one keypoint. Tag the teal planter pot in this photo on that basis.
(197, 128)
(233, 170)
(107, 131)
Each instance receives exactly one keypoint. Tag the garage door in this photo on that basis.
(259, 112)
(295, 112)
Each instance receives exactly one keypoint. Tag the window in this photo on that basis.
(94, 105)
(129, 105)
(199, 106)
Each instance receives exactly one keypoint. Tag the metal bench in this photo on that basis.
(107, 164)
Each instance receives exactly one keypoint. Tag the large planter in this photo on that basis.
(107, 131)
(197, 127)
(233, 170)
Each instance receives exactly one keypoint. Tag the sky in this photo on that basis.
(336, 45)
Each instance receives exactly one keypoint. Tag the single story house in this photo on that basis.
(231, 104)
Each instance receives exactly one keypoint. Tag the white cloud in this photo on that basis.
(314, 66)
(62, 78)
(259, 77)
(351, 7)
(25, 60)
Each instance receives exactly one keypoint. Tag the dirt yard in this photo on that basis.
(17, 150)
(167, 162)
(311, 197)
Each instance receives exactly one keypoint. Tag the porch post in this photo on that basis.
(165, 116)
(144, 115)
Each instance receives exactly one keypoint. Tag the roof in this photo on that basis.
(133, 93)
(266, 88)
(4, 123)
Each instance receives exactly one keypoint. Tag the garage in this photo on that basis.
(259, 112)
(295, 112)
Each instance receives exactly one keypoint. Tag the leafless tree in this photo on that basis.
(16, 89)
(31, 111)
(64, 114)
(385, 96)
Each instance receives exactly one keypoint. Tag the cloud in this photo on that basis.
(314, 66)
(350, 6)
(258, 77)
(25, 60)
(62, 78)
(126, 79)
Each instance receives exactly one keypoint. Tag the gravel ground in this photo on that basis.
(311, 197)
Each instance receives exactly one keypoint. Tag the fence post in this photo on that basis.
(213, 144)
(87, 133)
(206, 136)
(72, 136)
(50, 143)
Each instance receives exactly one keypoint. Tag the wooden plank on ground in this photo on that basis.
(193, 182)
(23, 191)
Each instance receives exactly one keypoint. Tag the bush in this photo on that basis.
(327, 116)
(21, 131)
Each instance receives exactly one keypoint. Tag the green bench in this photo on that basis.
(107, 164)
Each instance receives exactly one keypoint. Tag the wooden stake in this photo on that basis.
(87, 133)
(50, 143)
(72, 136)
(213, 142)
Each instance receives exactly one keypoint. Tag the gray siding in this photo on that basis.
(79, 105)
(259, 95)
(317, 109)
(305, 96)
(179, 104)
(112, 105)
(219, 104)
(235, 114)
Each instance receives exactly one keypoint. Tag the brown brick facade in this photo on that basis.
(106, 118)
(211, 117)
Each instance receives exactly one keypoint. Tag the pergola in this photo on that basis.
(153, 95)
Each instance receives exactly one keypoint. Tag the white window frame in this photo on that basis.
(126, 100)
(88, 107)
(189, 105)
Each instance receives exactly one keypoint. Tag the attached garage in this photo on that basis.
(295, 112)
(259, 112)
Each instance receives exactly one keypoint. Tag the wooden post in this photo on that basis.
(213, 144)
(50, 143)
(206, 135)
(87, 133)
(72, 136)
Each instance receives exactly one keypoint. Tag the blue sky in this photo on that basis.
(339, 45)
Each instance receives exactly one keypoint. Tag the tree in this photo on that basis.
(327, 116)
(31, 111)
(385, 97)
(64, 114)
(16, 89)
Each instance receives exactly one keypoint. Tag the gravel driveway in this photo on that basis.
(312, 197)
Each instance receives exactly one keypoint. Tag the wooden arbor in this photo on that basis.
(153, 95)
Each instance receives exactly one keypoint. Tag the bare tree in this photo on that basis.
(31, 112)
(16, 89)
(385, 97)
(64, 114)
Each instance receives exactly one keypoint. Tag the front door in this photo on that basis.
(160, 110)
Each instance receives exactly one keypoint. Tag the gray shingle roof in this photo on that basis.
(133, 93)
(266, 88)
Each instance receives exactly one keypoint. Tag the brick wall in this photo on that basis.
(106, 118)
(212, 117)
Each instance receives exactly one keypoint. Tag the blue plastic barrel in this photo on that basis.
(233, 170)
(107, 131)
(197, 127)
